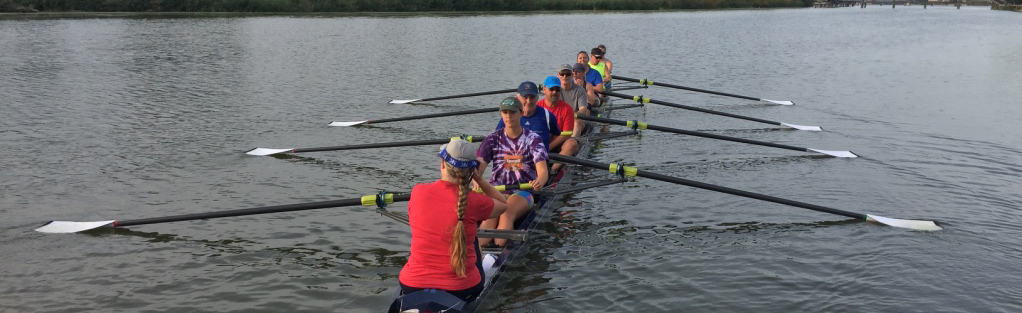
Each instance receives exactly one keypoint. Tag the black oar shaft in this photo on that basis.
(681, 106)
(688, 88)
(469, 95)
(253, 211)
(383, 145)
(417, 117)
(701, 185)
(690, 133)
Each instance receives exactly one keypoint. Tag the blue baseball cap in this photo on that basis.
(552, 81)
(528, 89)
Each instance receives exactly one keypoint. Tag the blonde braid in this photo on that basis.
(458, 250)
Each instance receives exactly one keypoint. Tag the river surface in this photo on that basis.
(127, 118)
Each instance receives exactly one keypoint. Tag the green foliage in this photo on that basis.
(385, 5)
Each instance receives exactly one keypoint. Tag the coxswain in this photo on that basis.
(444, 216)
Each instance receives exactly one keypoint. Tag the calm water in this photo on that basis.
(125, 118)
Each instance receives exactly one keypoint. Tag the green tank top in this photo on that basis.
(602, 68)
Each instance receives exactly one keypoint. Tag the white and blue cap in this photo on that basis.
(459, 153)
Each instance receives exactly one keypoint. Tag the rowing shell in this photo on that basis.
(495, 261)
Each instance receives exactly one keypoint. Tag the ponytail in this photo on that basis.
(459, 254)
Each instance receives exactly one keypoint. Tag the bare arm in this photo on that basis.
(559, 140)
(499, 201)
(541, 171)
(488, 190)
(582, 110)
(498, 208)
(591, 93)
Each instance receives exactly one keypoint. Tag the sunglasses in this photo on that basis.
(564, 73)
(597, 57)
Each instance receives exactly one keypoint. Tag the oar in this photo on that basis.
(370, 200)
(641, 99)
(647, 82)
(455, 96)
(631, 171)
(270, 151)
(408, 118)
(640, 125)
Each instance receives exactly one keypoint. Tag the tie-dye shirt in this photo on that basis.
(514, 159)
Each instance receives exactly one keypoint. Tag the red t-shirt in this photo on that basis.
(432, 213)
(563, 111)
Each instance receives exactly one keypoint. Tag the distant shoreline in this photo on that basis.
(91, 14)
(392, 7)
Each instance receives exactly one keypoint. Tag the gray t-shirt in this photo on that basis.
(576, 96)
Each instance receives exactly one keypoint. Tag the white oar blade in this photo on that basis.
(801, 127)
(64, 227)
(781, 102)
(403, 101)
(910, 224)
(347, 124)
(266, 151)
(840, 154)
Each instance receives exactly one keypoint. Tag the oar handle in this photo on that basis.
(631, 171)
(650, 83)
(522, 186)
(258, 210)
(642, 99)
(418, 117)
(389, 144)
(469, 95)
(640, 125)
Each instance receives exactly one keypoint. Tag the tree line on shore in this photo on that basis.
(379, 5)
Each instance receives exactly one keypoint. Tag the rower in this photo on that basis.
(593, 79)
(596, 63)
(565, 114)
(574, 93)
(535, 118)
(444, 217)
(518, 156)
(610, 65)
(578, 74)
